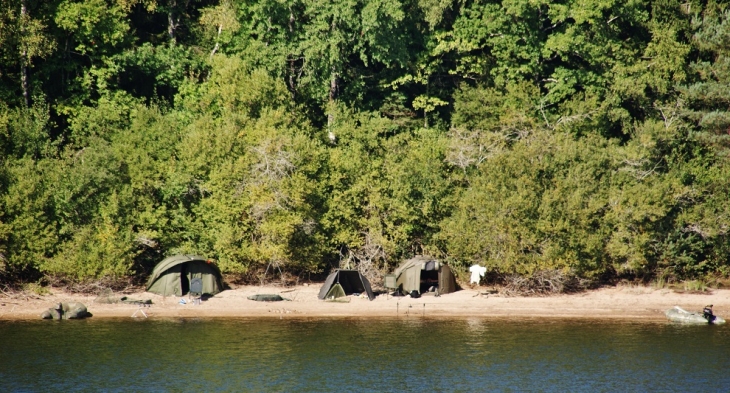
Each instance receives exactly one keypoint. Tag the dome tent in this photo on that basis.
(172, 276)
(422, 272)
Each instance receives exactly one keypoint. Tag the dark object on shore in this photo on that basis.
(107, 297)
(139, 302)
(265, 297)
(707, 313)
(71, 310)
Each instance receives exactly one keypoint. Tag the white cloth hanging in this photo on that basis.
(477, 272)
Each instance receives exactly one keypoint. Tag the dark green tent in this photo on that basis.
(345, 282)
(422, 272)
(172, 276)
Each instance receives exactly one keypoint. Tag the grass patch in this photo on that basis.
(36, 289)
(695, 286)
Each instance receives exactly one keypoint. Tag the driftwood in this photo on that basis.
(94, 287)
(543, 283)
(15, 294)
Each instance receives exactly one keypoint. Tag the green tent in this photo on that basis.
(172, 276)
(337, 294)
(421, 273)
(345, 282)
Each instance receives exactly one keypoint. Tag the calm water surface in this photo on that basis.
(360, 355)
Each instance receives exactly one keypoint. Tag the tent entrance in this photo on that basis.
(184, 280)
(429, 278)
(337, 294)
(421, 273)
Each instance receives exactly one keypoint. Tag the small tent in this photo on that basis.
(172, 276)
(421, 273)
(345, 282)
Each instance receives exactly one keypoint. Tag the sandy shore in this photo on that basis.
(605, 303)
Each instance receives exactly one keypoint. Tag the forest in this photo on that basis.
(588, 139)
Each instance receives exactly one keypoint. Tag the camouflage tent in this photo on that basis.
(421, 273)
(172, 276)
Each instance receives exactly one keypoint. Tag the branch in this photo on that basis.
(217, 40)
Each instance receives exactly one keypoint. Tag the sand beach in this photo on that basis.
(621, 302)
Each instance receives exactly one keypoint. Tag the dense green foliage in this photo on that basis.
(589, 137)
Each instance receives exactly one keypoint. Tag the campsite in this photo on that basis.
(418, 161)
(360, 314)
(419, 287)
(182, 286)
(623, 302)
(589, 138)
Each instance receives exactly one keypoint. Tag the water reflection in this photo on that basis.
(326, 355)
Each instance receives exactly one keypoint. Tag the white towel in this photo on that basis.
(477, 272)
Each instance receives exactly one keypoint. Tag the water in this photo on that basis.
(361, 355)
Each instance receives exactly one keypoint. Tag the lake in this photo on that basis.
(361, 355)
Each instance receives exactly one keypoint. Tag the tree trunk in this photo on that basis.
(24, 54)
(171, 26)
(292, 68)
(174, 13)
(332, 97)
(333, 86)
(171, 22)
(292, 83)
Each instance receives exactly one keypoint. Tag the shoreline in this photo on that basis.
(608, 303)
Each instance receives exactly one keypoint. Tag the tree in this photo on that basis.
(23, 38)
(708, 98)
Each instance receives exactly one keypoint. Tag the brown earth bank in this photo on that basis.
(627, 303)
